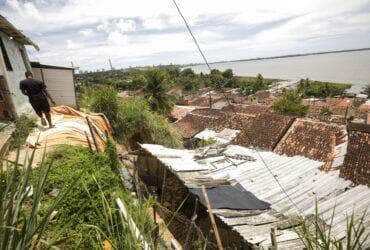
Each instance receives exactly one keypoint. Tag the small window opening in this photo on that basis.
(5, 56)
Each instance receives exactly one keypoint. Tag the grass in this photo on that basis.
(88, 215)
(21, 224)
(316, 234)
(23, 127)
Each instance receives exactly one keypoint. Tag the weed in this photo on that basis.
(23, 127)
(316, 234)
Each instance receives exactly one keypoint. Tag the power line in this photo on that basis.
(191, 33)
(209, 68)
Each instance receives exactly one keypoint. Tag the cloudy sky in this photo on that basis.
(147, 32)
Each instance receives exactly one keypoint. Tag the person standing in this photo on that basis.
(37, 96)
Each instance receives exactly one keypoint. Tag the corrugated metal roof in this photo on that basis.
(300, 177)
(12, 31)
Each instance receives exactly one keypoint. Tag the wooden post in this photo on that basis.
(213, 222)
(92, 134)
(273, 239)
(88, 141)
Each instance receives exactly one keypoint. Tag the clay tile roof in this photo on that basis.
(356, 166)
(314, 140)
(264, 131)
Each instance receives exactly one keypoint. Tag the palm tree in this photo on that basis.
(155, 90)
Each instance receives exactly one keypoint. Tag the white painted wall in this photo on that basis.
(59, 83)
(14, 77)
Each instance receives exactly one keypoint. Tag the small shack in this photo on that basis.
(59, 81)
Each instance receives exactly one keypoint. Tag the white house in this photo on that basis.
(13, 63)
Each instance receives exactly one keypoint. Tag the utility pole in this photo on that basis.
(110, 64)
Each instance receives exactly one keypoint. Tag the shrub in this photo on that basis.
(324, 111)
(322, 89)
(162, 132)
(132, 119)
(228, 74)
(23, 127)
(187, 72)
(290, 103)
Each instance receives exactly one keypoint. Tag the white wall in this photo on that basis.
(14, 77)
(59, 83)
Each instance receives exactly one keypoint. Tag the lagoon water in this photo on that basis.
(344, 67)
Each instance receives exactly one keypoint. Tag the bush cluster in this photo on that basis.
(290, 103)
(132, 119)
(321, 89)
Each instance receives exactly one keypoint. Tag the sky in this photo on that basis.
(151, 32)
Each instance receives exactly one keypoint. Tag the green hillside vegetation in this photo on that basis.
(311, 88)
(135, 79)
(132, 120)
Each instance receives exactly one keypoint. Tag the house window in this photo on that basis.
(5, 56)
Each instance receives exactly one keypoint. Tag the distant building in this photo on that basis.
(59, 82)
(13, 63)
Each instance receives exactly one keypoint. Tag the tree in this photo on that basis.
(155, 90)
(228, 74)
(290, 103)
(259, 79)
(188, 72)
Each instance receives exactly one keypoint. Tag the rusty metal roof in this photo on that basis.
(10, 30)
(300, 177)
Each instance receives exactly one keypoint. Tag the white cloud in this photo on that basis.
(141, 31)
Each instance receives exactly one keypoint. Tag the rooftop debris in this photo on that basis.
(300, 177)
(356, 165)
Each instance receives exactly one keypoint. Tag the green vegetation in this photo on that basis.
(290, 103)
(366, 90)
(204, 142)
(250, 85)
(132, 119)
(23, 127)
(162, 78)
(321, 89)
(88, 214)
(316, 234)
(324, 111)
(156, 89)
(22, 225)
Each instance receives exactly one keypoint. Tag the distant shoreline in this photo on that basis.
(283, 56)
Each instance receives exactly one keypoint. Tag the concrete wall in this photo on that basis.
(59, 83)
(14, 77)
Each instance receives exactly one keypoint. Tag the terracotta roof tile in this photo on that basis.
(356, 166)
(314, 140)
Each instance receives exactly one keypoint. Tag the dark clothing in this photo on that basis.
(34, 89)
(40, 107)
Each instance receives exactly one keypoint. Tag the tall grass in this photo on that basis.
(21, 225)
(316, 234)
